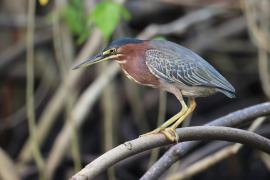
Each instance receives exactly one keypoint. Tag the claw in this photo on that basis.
(170, 134)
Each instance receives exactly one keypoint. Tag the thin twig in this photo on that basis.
(137, 108)
(260, 36)
(226, 4)
(30, 88)
(7, 167)
(56, 103)
(63, 49)
(187, 134)
(20, 21)
(81, 109)
(180, 25)
(161, 118)
(75, 149)
(109, 117)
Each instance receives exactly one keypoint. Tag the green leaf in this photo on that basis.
(76, 20)
(107, 16)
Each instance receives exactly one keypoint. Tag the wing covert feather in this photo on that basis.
(174, 68)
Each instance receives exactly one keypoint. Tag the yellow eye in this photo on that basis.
(110, 52)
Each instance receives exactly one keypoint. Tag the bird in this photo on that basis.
(167, 66)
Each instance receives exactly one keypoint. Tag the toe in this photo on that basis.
(170, 134)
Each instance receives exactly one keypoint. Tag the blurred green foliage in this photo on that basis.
(106, 16)
(76, 20)
(159, 38)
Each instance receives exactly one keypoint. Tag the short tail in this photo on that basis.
(230, 94)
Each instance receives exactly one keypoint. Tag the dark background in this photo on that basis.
(234, 39)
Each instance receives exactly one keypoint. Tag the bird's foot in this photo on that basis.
(170, 134)
(156, 131)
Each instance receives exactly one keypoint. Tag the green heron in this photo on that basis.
(168, 66)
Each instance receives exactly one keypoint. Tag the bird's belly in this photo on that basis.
(194, 91)
(197, 91)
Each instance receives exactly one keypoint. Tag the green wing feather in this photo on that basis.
(177, 64)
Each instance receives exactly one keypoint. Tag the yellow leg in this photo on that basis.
(170, 121)
(170, 132)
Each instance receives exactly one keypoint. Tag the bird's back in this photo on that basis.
(177, 64)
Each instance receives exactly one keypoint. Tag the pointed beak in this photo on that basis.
(93, 60)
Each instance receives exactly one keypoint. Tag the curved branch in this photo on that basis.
(179, 150)
(187, 134)
(202, 160)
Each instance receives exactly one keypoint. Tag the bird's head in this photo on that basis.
(114, 51)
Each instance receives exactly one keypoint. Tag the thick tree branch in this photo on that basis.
(179, 150)
(187, 134)
(206, 161)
